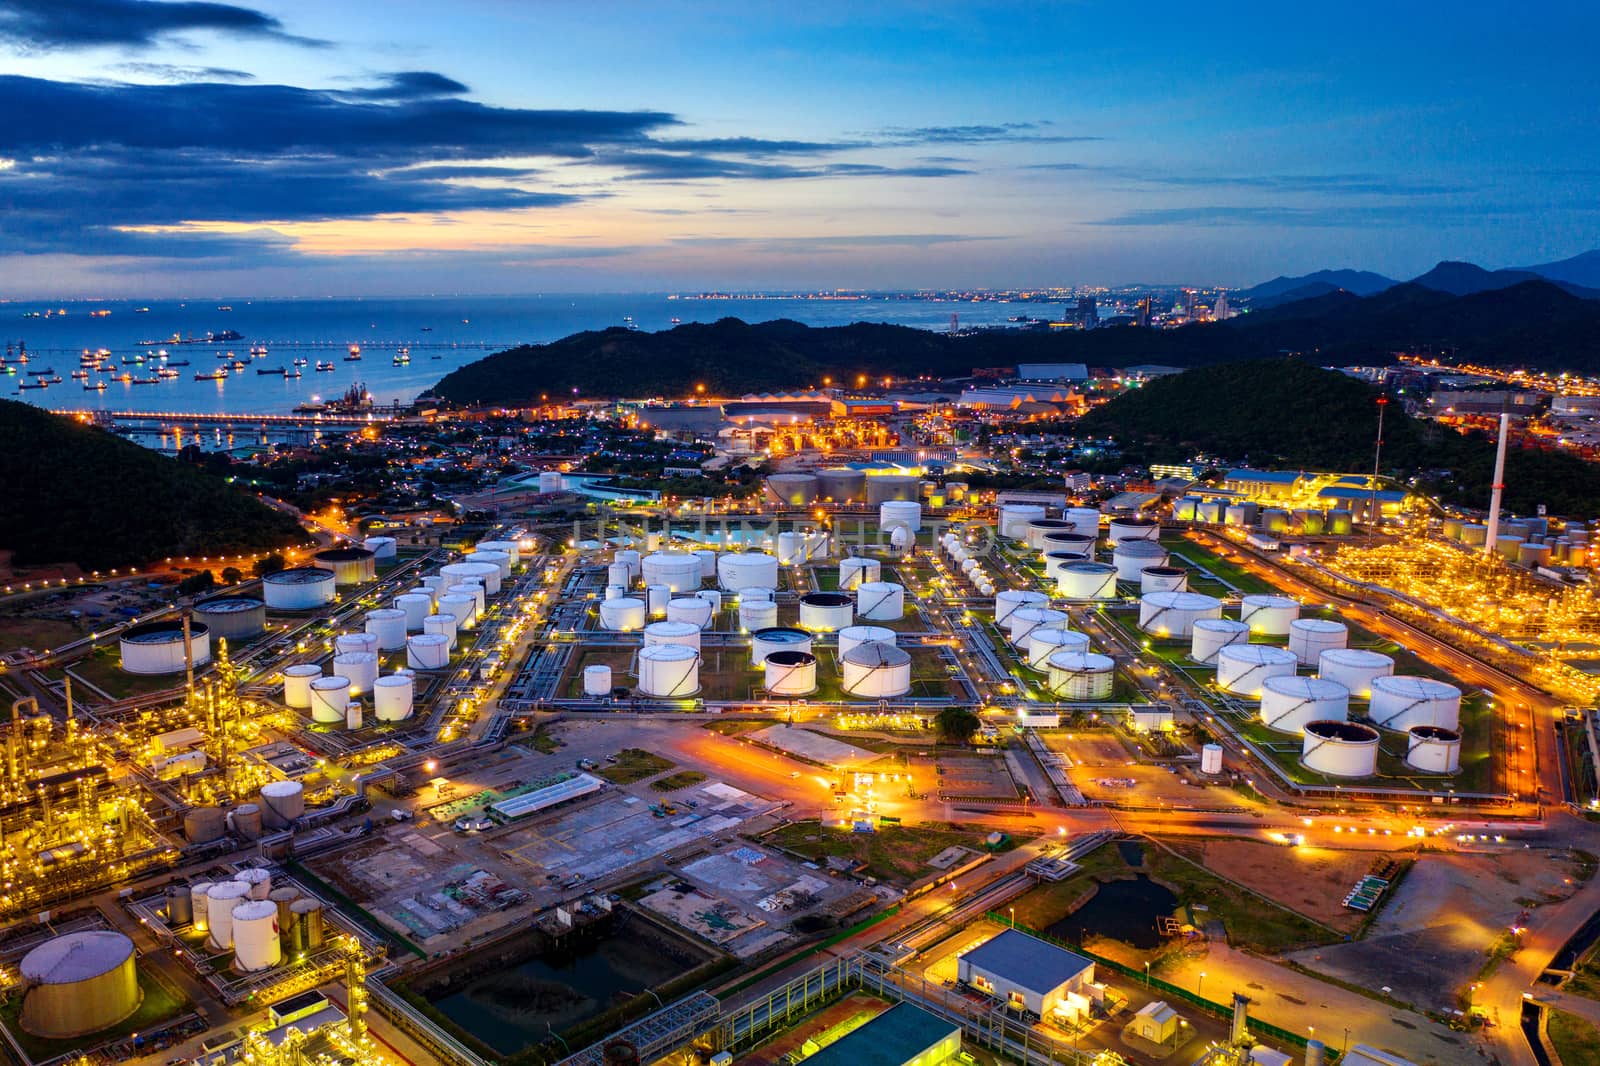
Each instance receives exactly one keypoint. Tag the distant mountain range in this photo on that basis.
(1579, 275)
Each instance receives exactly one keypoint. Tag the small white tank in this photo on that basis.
(1077, 545)
(1024, 620)
(1040, 528)
(197, 903)
(1042, 643)
(790, 673)
(597, 681)
(1174, 614)
(361, 667)
(256, 944)
(1084, 521)
(905, 513)
(1119, 530)
(511, 548)
(708, 563)
(1211, 635)
(388, 624)
(281, 803)
(1268, 615)
(428, 651)
(461, 606)
(417, 606)
(826, 612)
(383, 549)
(1076, 676)
(691, 609)
(1288, 703)
(474, 589)
(1243, 668)
(790, 552)
(753, 595)
(757, 614)
(618, 574)
(328, 698)
(629, 558)
(679, 571)
(855, 570)
(616, 592)
(1354, 668)
(1211, 759)
(656, 598)
(1340, 749)
(1162, 579)
(880, 601)
(499, 560)
(1015, 517)
(876, 671)
(259, 880)
(353, 718)
(851, 637)
(1433, 749)
(738, 570)
(672, 632)
(297, 684)
(622, 615)
(443, 625)
(1087, 581)
(355, 642)
(1400, 702)
(763, 642)
(1009, 600)
(392, 697)
(712, 597)
(221, 899)
(1310, 637)
(669, 671)
(1132, 556)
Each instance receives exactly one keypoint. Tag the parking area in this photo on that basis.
(974, 776)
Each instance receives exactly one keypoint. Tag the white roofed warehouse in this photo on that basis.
(1032, 975)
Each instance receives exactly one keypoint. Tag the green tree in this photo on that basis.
(269, 564)
(232, 575)
(197, 583)
(957, 725)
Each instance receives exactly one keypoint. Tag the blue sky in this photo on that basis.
(349, 147)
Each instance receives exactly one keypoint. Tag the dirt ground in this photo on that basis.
(970, 776)
(1312, 881)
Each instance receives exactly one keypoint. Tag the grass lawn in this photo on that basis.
(160, 1003)
(1585, 980)
(541, 740)
(634, 764)
(1575, 1040)
(1187, 552)
(681, 779)
(899, 854)
(39, 634)
(102, 668)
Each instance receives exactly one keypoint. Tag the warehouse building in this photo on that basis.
(903, 1035)
(1032, 975)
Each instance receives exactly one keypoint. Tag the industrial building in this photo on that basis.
(1032, 975)
(903, 1035)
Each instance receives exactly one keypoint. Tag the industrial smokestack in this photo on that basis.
(1316, 1054)
(1499, 484)
(1239, 1034)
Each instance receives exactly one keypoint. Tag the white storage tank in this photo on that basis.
(383, 549)
(597, 680)
(1288, 703)
(1163, 579)
(1042, 643)
(1209, 511)
(669, 671)
(551, 481)
(1124, 529)
(486, 574)
(622, 615)
(1079, 545)
(1087, 581)
(1054, 563)
(1211, 635)
(876, 671)
(353, 715)
(259, 880)
(656, 598)
(1024, 620)
(708, 563)
(350, 566)
(255, 936)
(442, 624)
(763, 642)
(221, 899)
(512, 549)
(362, 641)
(854, 636)
(501, 561)
(854, 570)
(1014, 519)
(790, 550)
(232, 618)
(631, 559)
(1173, 614)
(1240, 514)
(245, 821)
(906, 513)
(460, 606)
(1340, 749)
(282, 802)
(1354, 668)
(1211, 759)
(1009, 600)
(672, 631)
(1078, 676)
(880, 601)
(617, 574)
(1433, 749)
(303, 588)
(297, 684)
(1268, 615)
(1130, 557)
(329, 697)
(679, 571)
(757, 614)
(790, 673)
(1084, 521)
(1400, 702)
(158, 647)
(826, 612)
(616, 592)
(1310, 637)
(1039, 528)
(392, 697)
(434, 584)
(428, 651)
(415, 606)
(197, 905)
(737, 570)
(691, 609)
(388, 624)
(1243, 668)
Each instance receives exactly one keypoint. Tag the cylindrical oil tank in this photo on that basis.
(884, 487)
(1474, 534)
(388, 624)
(303, 588)
(1310, 522)
(906, 513)
(1240, 514)
(840, 484)
(158, 647)
(854, 570)
(486, 574)
(501, 561)
(901, 538)
(1173, 614)
(672, 631)
(461, 606)
(656, 598)
(1433, 749)
(1079, 545)
(1211, 759)
(1211, 635)
(876, 671)
(757, 614)
(1507, 547)
(1354, 668)
(551, 481)
(434, 584)
(221, 899)
(1186, 509)
(1209, 511)
(1087, 581)
(259, 880)
(1042, 643)
(826, 612)
(475, 591)
(1400, 702)
(393, 696)
(790, 549)
(1163, 579)
(1024, 620)
(617, 574)
(679, 571)
(1268, 615)
(329, 697)
(631, 559)
(1341, 522)
(78, 983)
(363, 641)
(1078, 676)
(197, 900)
(1532, 555)
(669, 671)
(179, 906)
(361, 667)
(738, 570)
(623, 615)
(1130, 557)
(297, 684)
(793, 490)
(1083, 520)
(350, 566)
(1015, 517)
(1125, 529)
(442, 625)
(616, 592)
(1054, 562)
(308, 920)
(282, 802)
(1340, 749)
(510, 547)
(233, 618)
(246, 821)
(790, 673)
(1288, 703)
(597, 680)
(880, 601)
(1243, 668)
(1310, 637)
(708, 563)
(1274, 520)
(354, 716)
(383, 549)
(415, 606)
(854, 636)
(255, 936)
(1039, 528)
(690, 609)
(1450, 528)
(428, 651)
(1009, 600)
(202, 825)
(763, 642)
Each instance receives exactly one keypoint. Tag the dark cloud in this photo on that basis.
(757, 146)
(665, 166)
(50, 25)
(1003, 133)
(175, 73)
(838, 243)
(1352, 216)
(409, 85)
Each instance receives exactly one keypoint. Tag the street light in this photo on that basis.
(1201, 983)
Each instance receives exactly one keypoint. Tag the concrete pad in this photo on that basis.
(813, 746)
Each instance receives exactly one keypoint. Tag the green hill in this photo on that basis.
(1285, 414)
(75, 493)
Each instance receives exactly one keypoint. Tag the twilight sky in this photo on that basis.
(345, 147)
